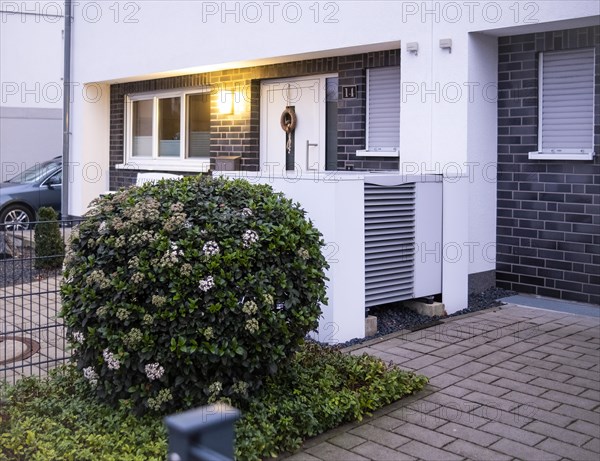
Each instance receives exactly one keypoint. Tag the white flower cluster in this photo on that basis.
(247, 212)
(98, 277)
(103, 227)
(303, 253)
(90, 374)
(211, 248)
(206, 284)
(252, 325)
(78, 337)
(110, 359)
(250, 308)
(154, 371)
(249, 238)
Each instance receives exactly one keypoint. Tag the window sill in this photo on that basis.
(377, 153)
(561, 156)
(196, 166)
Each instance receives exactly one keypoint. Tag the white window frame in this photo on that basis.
(584, 153)
(376, 152)
(154, 162)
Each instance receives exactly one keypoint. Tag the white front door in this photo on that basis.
(305, 152)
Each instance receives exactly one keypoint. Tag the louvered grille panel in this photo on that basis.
(389, 243)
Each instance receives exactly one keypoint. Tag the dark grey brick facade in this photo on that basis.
(240, 136)
(548, 228)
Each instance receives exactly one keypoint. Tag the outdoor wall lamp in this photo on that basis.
(413, 47)
(225, 102)
(446, 44)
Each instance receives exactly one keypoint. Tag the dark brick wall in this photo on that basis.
(239, 135)
(548, 211)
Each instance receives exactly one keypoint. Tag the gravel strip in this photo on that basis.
(396, 317)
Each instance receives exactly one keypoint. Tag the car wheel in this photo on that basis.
(16, 218)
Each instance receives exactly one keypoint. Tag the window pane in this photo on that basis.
(169, 130)
(142, 128)
(198, 125)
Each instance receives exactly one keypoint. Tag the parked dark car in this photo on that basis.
(23, 195)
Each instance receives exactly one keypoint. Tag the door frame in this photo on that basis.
(262, 156)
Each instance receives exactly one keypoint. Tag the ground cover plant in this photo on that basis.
(60, 418)
(190, 290)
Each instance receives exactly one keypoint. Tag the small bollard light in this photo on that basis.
(202, 434)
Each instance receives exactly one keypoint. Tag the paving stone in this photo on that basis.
(592, 351)
(461, 432)
(467, 416)
(471, 451)
(531, 400)
(544, 373)
(377, 452)
(578, 363)
(539, 363)
(328, 452)
(431, 371)
(559, 433)
(513, 433)
(585, 428)
(370, 432)
(551, 351)
(418, 347)
(401, 352)
(484, 377)
(489, 389)
(567, 450)
(579, 413)
(574, 371)
(591, 394)
(386, 422)
(535, 354)
(469, 369)
(444, 380)
(495, 358)
(574, 400)
(455, 391)
(550, 384)
(491, 401)
(420, 362)
(454, 362)
(510, 365)
(346, 440)
(525, 388)
(422, 451)
(510, 374)
(419, 415)
(521, 451)
(514, 417)
(518, 348)
(449, 351)
(433, 438)
(593, 445)
(481, 351)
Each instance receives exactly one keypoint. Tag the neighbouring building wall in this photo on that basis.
(239, 134)
(548, 211)
(31, 68)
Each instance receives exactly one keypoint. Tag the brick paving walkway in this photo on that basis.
(513, 383)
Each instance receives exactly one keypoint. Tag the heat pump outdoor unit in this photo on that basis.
(383, 239)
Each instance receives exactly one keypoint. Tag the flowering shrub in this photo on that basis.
(188, 291)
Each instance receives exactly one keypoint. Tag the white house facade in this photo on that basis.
(471, 95)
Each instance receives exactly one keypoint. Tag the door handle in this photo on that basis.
(310, 166)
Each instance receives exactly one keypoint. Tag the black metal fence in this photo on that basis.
(32, 339)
